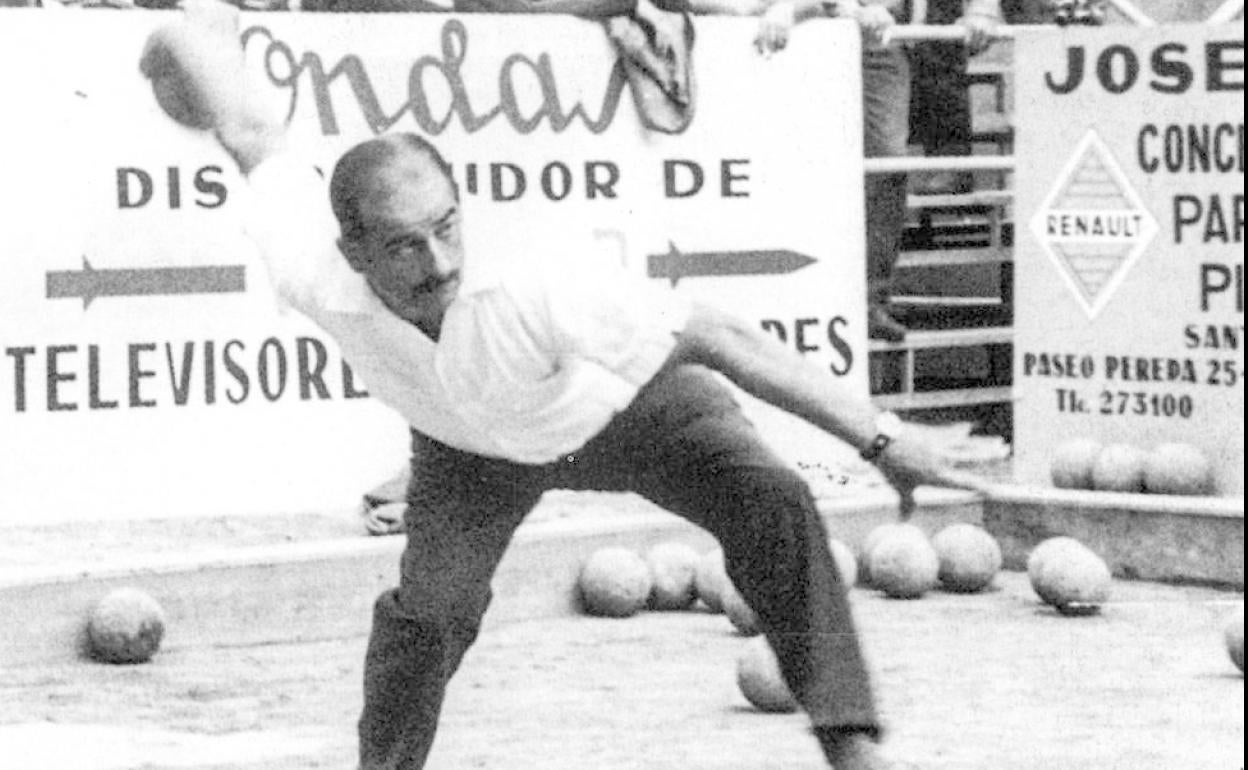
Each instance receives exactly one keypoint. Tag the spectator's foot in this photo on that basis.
(385, 519)
(945, 183)
(852, 750)
(882, 326)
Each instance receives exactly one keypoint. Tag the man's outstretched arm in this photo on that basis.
(196, 66)
(769, 371)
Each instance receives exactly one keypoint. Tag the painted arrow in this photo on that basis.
(88, 283)
(676, 264)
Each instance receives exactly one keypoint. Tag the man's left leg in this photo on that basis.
(462, 512)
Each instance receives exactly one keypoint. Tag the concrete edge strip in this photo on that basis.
(287, 553)
(1171, 505)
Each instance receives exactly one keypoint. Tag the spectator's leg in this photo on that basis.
(940, 113)
(690, 450)
(885, 111)
(462, 512)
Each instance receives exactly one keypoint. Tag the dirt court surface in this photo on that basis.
(993, 681)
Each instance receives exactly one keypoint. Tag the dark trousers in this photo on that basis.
(885, 127)
(940, 100)
(683, 444)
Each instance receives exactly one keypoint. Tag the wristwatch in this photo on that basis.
(888, 426)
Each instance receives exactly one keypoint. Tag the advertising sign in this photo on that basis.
(145, 369)
(1129, 258)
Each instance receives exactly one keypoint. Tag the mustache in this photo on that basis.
(435, 282)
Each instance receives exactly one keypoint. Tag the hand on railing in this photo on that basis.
(980, 31)
(875, 21)
(774, 27)
(779, 18)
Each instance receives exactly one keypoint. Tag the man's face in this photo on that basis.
(410, 249)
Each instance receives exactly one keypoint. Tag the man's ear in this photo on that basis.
(353, 251)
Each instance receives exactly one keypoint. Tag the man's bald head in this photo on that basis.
(357, 174)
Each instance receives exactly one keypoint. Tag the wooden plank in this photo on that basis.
(947, 338)
(989, 255)
(896, 165)
(979, 199)
(941, 399)
(944, 300)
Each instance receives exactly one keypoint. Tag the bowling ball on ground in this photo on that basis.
(1069, 576)
(846, 562)
(710, 579)
(1235, 638)
(1178, 469)
(1072, 463)
(1119, 468)
(672, 570)
(758, 676)
(126, 626)
(904, 565)
(614, 582)
(969, 557)
(1040, 552)
(872, 539)
(740, 614)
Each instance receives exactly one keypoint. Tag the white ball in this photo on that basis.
(672, 570)
(1072, 463)
(1178, 469)
(126, 626)
(873, 539)
(969, 557)
(740, 614)
(1234, 636)
(846, 562)
(710, 580)
(1068, 575)
(1119, 468)
(614, 582)
(760, 680)
(904, 565)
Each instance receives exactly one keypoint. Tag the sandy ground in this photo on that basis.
(988, 681)
(994, 681)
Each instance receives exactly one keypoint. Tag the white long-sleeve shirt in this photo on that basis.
(533, 360)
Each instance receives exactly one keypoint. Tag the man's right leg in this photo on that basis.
(688, 448)
(462, 511)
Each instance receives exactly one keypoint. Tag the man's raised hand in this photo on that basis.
(195, 63)
(198, 75)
